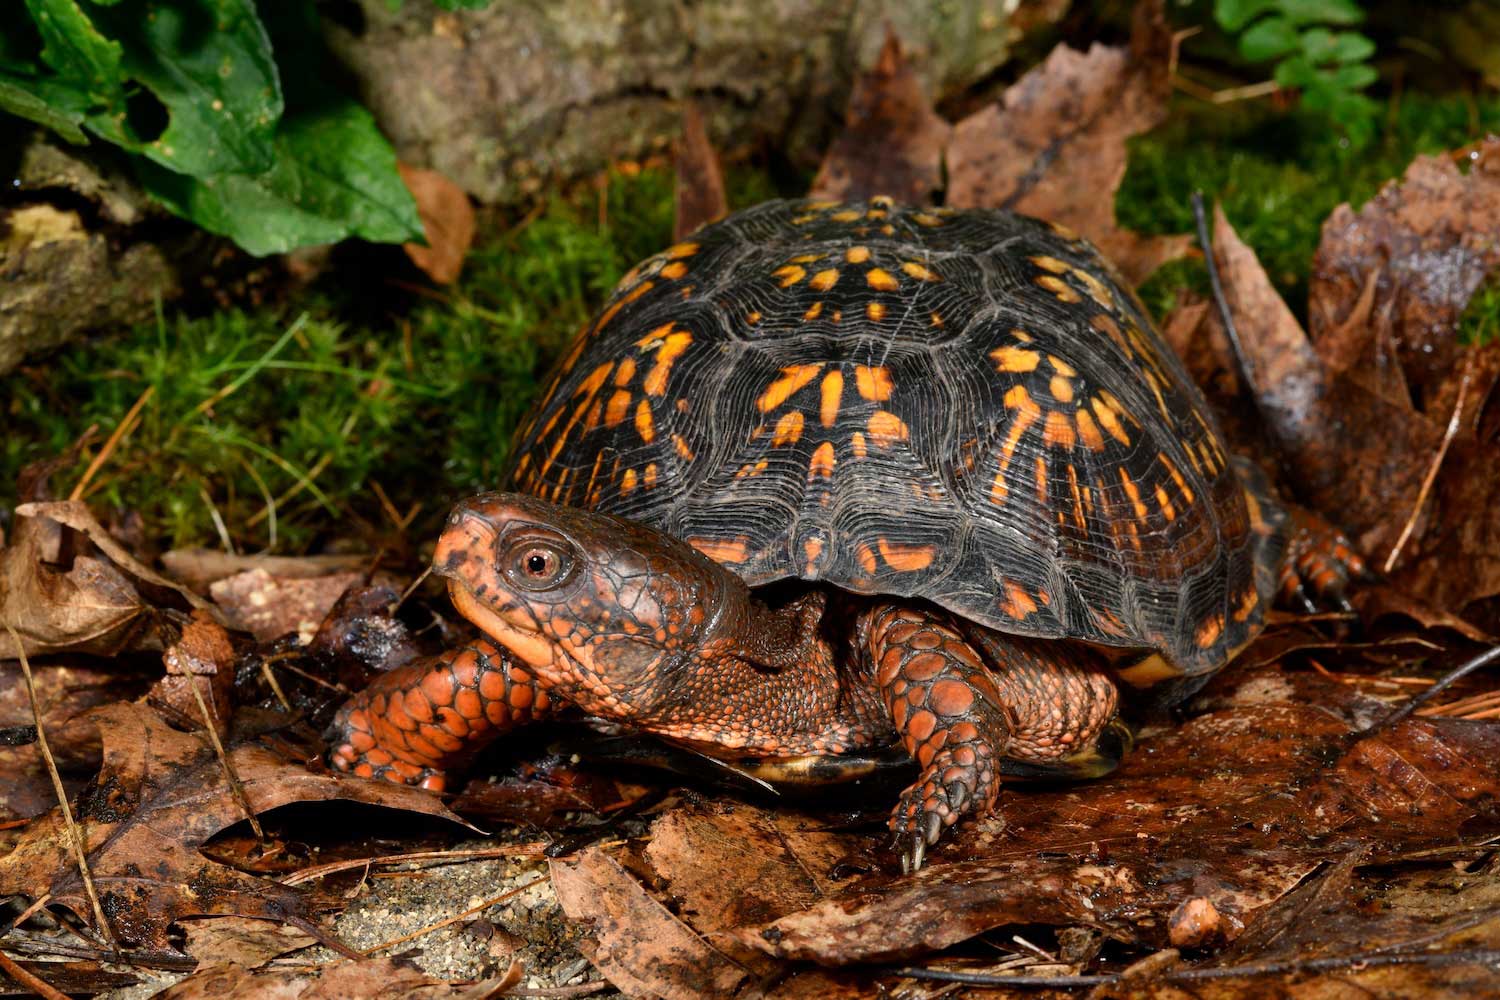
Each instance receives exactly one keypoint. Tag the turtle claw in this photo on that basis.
(1320, 565)
(913, 853)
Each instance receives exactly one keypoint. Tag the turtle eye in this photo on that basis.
(538, 564)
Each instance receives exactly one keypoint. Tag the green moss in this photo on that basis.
(1278, 176)
(1480, 323)
(307, 411)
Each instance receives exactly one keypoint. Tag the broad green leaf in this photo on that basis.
(58, 108)
(463, 4)
(1296, 73)
(1268, 39)
(1321, 11)
(1323, 46)
(209, 63)
(1233, 15)
(1355, 77)
(72, 45)
(335, 176)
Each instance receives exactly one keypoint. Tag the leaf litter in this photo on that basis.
(1274, 837)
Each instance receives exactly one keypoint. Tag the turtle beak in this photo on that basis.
(470, 534)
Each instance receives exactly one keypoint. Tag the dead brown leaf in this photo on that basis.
(159, 797)
(1421, 247)
(63, 591)
(1389, 284)
(202, 656)
(636, 941)
(371, 979)
(241, 941)
(1350, 452)
(199, 568)
(447, 222)
(65, 691)
(1233, 810)
(892, 142)
(1060, 131)
(269, 607)
(699, 189)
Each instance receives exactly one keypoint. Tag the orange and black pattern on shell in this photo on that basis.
(967, 407)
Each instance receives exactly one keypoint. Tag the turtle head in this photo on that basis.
(601, 610)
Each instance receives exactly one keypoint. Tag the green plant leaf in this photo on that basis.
(1323, 46)
(1296, 73)
(1233, 15)
(1321, 11)
(463, 4)
(334, 176)
(74, 47)
(57, 107)
(1355, 77)
(1267, 39)
(206, 95)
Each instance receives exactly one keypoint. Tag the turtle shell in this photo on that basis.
(965, 407)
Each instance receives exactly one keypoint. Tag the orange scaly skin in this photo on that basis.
(635, 626)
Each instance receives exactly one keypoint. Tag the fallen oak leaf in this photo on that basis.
(1061, 131)
(203, 650)
(892, 141)
(160, 795)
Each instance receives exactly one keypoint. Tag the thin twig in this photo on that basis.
(1441, 684)
(411, 588)
(14, 970)
(218, 520)
(236, 788)
(456, 917)
(124, 427)
(79, 847)
(533, 850)
(1432, 470)
(1473, 956)
(1246, 369)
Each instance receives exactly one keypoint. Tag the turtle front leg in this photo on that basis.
(413, 724)
(961, 699)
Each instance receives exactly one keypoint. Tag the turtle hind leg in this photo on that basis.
(1319, 565)
(964, 699)
(1301, 557)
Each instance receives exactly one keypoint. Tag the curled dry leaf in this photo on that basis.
(1061, 130)
(699, 189)
(447, 222)
(66, 585)
(159, 797)
(892, 142)
(203, 656)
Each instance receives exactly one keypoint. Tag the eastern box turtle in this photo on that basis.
(960, 432)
